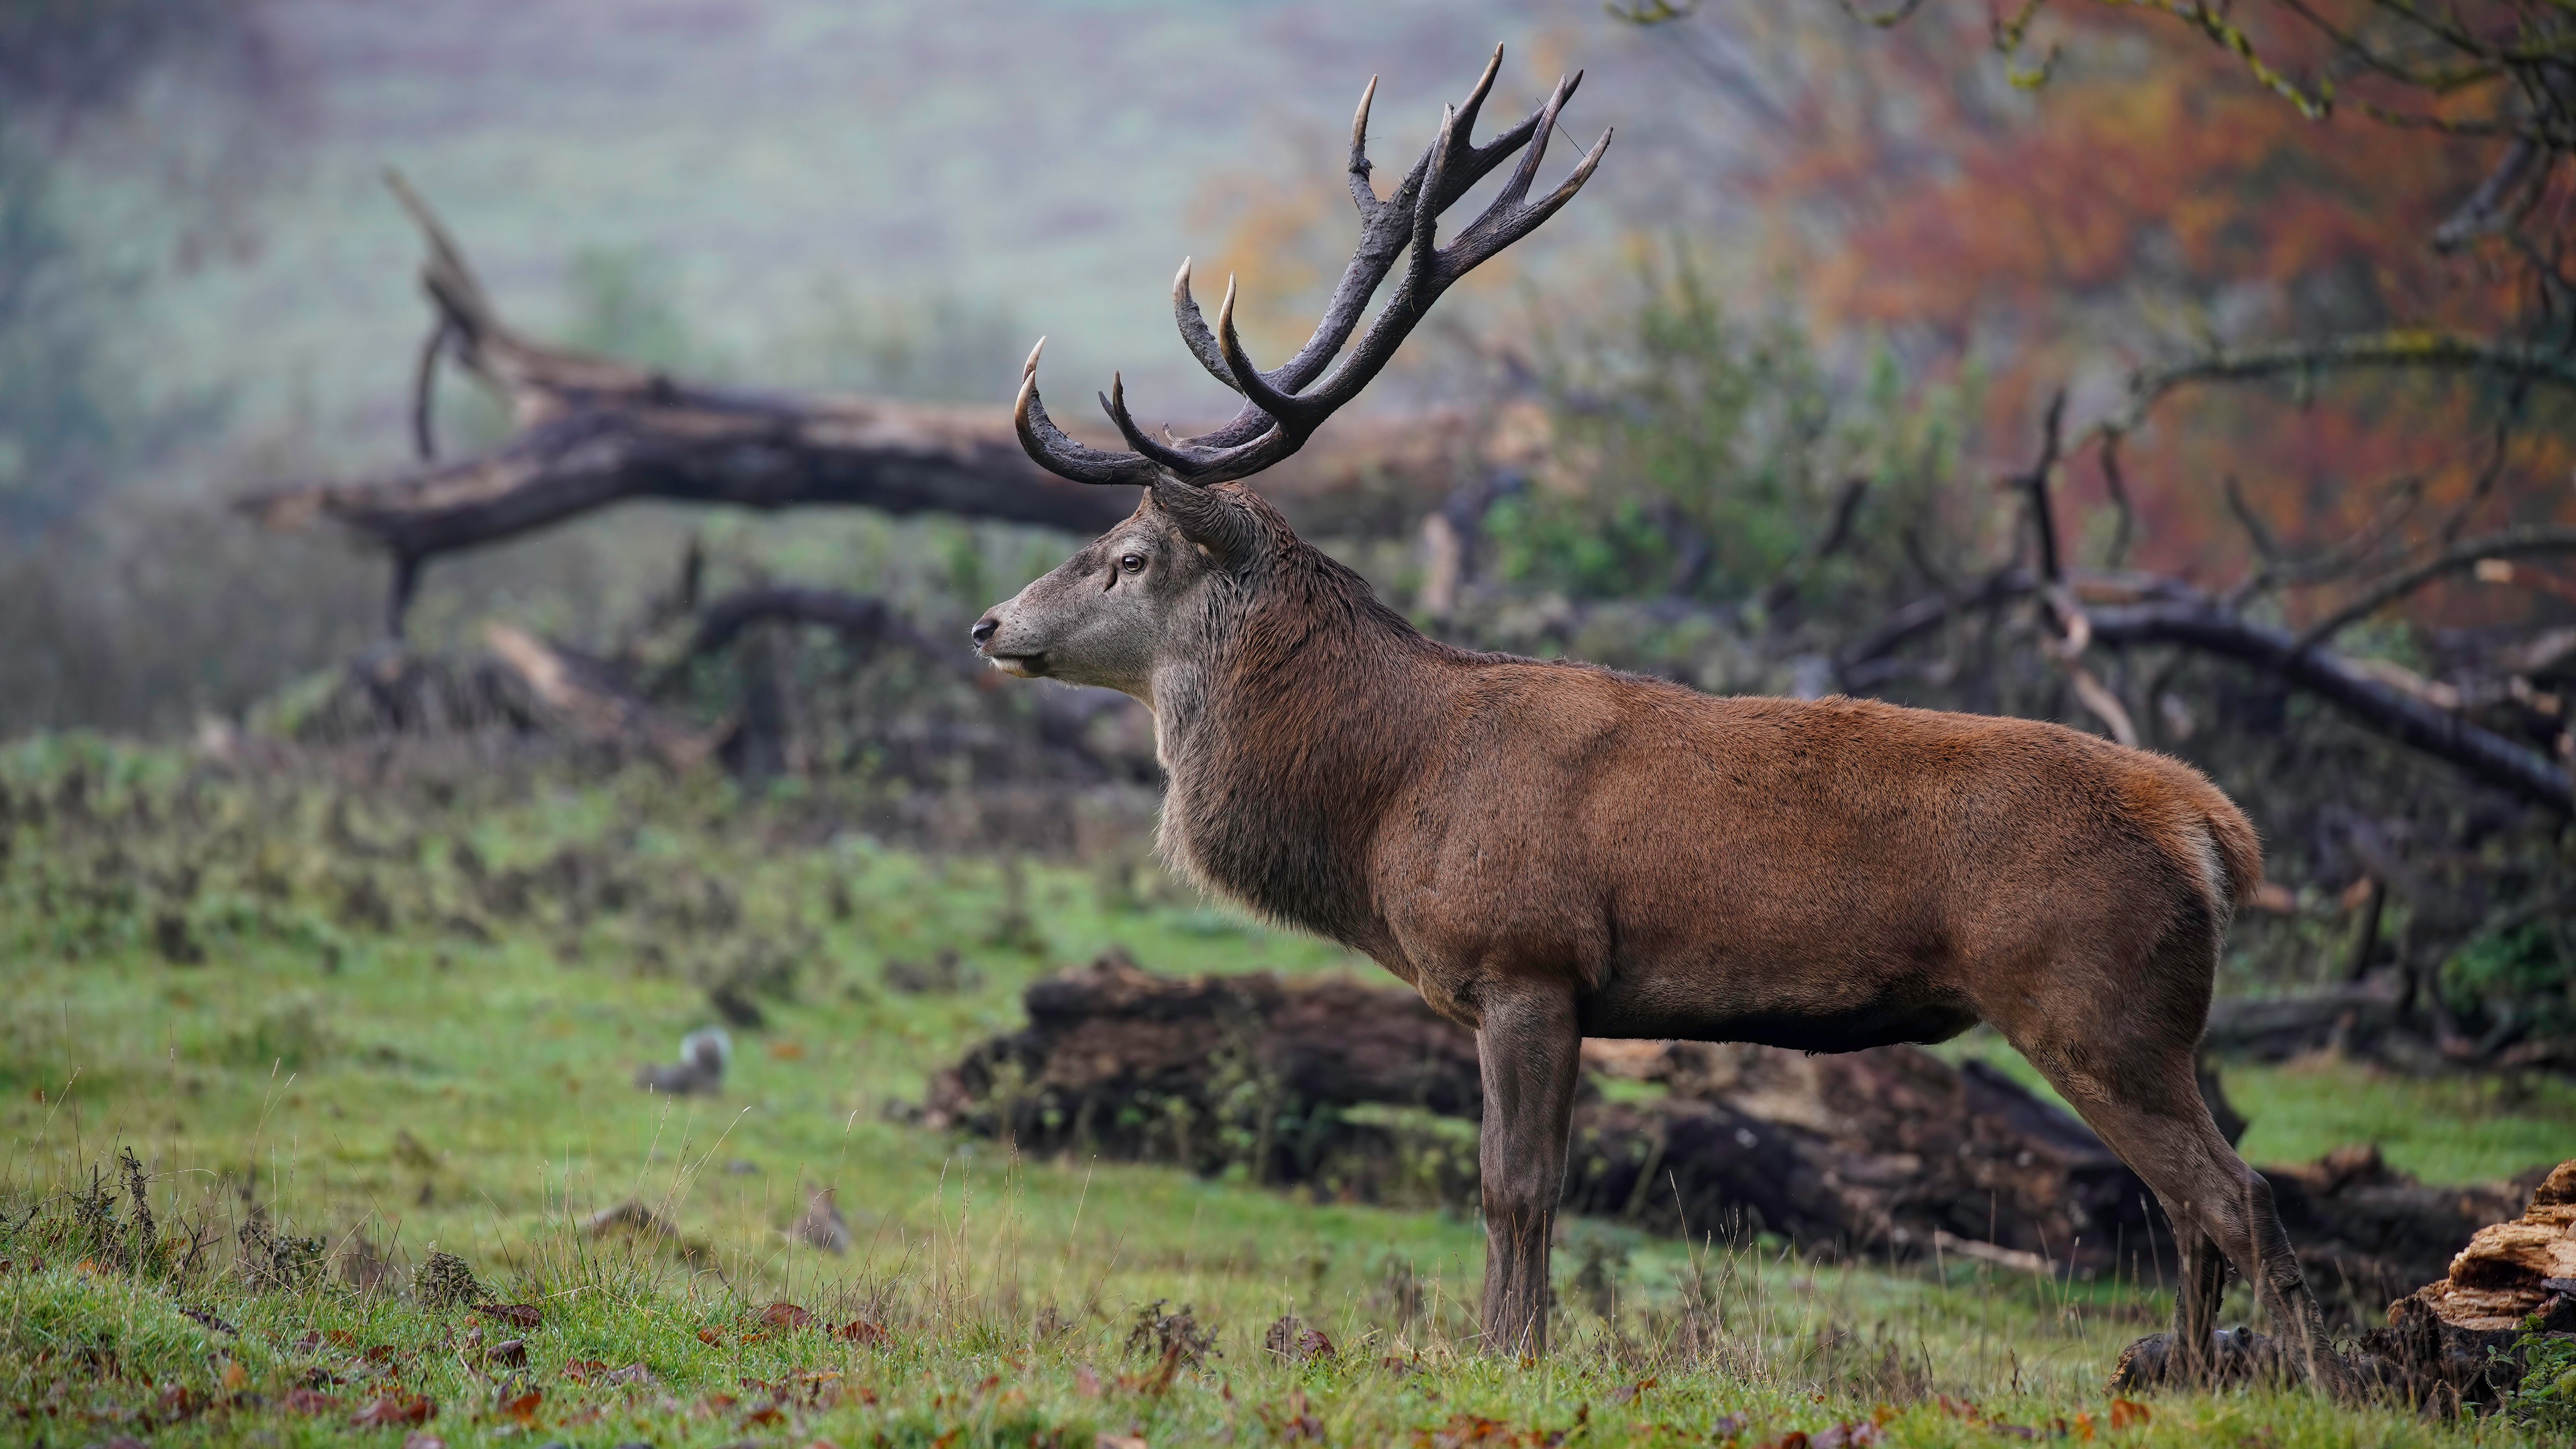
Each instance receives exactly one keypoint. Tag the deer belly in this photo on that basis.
(1898, 1017)
(1824, 1001)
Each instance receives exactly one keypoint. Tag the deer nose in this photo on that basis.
(984, 629)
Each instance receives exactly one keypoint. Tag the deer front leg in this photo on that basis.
(1527, 1051)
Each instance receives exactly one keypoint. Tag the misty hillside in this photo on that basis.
(765, 168)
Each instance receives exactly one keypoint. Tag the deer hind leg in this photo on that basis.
(1528, 1049)
(2132, 1079)
(2196, 1298)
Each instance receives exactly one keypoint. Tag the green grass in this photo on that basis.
(2441, 1129)
(465, 1088)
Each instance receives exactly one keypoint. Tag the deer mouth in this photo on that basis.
(1025, 666)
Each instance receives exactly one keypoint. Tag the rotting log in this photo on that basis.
(1886, 1152)
(1364, 1093)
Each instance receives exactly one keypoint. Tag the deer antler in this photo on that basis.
(1283, 407)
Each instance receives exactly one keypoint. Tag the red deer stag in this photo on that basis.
(1550, 850)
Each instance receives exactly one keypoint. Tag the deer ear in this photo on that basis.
(1207, 518)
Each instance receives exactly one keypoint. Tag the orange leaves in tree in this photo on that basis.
(2152, 199)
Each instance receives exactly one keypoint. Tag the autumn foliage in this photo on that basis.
(2113, 191)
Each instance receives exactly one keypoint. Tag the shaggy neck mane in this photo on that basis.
(1288, 724)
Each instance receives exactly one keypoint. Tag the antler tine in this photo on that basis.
(1224, 465)
(1386, 227)
(1498, 229)
(1433, 268)
(1281, 409)
(1475, 101)
(1290, 410)
(1049, 448)
(1522, 175)
(1426, 219)
(1194, 329)
(1363, 191)
(1182, 461)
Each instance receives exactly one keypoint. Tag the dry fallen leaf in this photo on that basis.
(523, 1315)
(522, 1410)
(179, 1402)
(395, 1409)
(786, 1316)
(861, 1331)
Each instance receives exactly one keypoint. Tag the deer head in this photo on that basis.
(1106, 615)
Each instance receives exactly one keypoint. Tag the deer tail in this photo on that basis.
(2240, 852)
(2216, 840)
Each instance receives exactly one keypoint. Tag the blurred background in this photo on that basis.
(492, 494)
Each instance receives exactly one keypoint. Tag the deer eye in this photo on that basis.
(1133, 563)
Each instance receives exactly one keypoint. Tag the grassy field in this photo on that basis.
(352, 1024)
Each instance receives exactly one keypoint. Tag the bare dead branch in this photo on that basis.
(2169, 612)
(854, 617)
(2489, 208)
(2414, 349)
(2339, 561)
(2210, 628)
(2455, 559)
(2257, 532)
(593, 431)
(2035, 484)
(2116, 484)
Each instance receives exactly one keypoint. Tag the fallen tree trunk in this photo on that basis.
(591, 431)
(1886, 1152)
(2277, 1028)
(1364, 1093)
